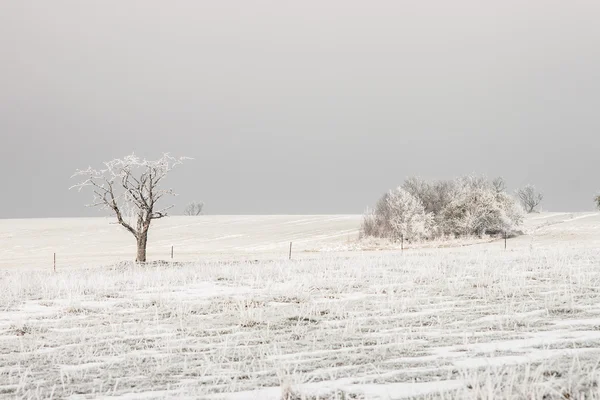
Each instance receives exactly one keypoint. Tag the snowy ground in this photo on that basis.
(466, 322)
(93, 241)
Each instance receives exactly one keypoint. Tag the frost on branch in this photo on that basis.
(131, 188)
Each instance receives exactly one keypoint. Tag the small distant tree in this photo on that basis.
(499, 185)
(131, 186)
(597, 200)
(530, 198)
(194, 208)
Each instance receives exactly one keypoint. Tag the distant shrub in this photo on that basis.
(193, 209)
(469, 205)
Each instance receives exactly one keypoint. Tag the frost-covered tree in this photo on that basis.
(469, 205)
(472, 182)
(597, 200)
(407, 216)
(480, 211)
(131, 188)
(419, 188)
(434, 196)
(398, 215)
(376, 222)
(478, 207)
(529, 197)
(194, 208)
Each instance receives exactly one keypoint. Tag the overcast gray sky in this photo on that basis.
(309, 106)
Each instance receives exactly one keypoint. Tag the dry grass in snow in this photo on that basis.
(476, 323)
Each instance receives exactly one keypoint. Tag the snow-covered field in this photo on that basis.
(93, 241)
(243, 322)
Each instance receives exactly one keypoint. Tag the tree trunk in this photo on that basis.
(141, 247)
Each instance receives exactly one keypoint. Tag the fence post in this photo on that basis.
(172, 252)
(505, 240)
(290, 250)
(54, 262)
(402, 242)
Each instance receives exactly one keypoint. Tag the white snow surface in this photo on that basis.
(233, 318)
(93, 241)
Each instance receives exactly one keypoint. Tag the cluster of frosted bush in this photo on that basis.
(466, 206)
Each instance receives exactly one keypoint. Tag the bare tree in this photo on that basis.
(530, 198)
(131, 187)
(194, 208)
(499, 185)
